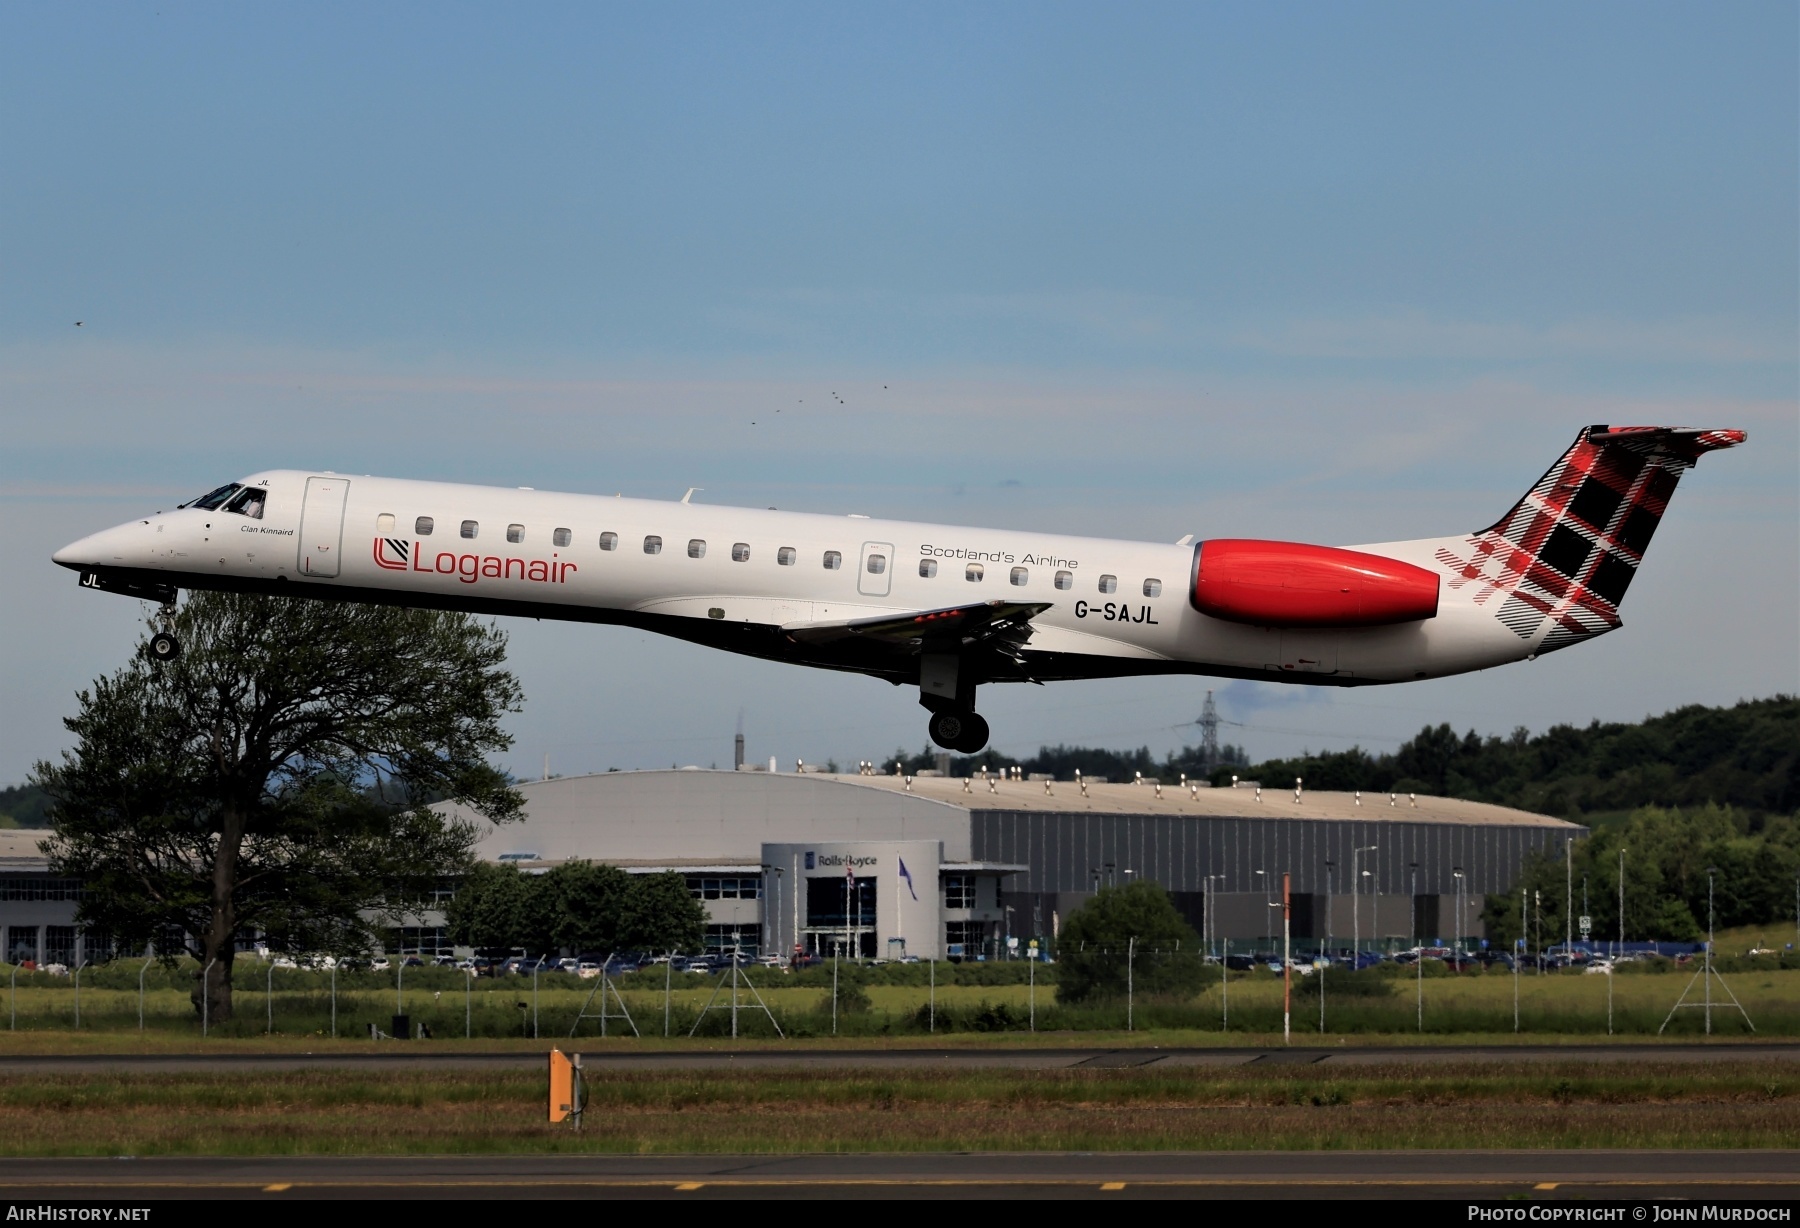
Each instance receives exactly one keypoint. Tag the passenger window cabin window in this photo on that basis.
(384, 523)
(515, 533)
(740, 552)
(1152, 588)
(561, 537)
(928, 568)
(877, 564)
(423, 526)
(653, 545)
(609, 541)
(1109, 584)
(833, 560)
(470, 528)
(973, 573)
(1020, 575)
(696, 548)
(785, 556)
(1065, 580)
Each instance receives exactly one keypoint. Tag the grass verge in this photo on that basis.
(1749, 1103)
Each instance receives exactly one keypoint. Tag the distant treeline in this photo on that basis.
(24, 806)
(1064, 761)
(1746, 757)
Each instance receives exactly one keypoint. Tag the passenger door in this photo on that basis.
(875, 573)
(322, 526)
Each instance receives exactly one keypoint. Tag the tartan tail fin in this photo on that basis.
(1563, 557)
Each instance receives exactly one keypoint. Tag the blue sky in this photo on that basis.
(1331, 272)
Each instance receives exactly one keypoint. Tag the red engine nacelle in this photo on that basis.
(1290, 584)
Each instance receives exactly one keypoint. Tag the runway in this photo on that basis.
(417, 1056)
(1460, 1175)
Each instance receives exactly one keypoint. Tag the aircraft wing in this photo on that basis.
(1005, 625)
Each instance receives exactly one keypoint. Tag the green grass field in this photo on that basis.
(43, 1012)
(1737, 1104)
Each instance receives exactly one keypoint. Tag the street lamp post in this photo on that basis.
(1420, 958)
(1456, 873)
(1326, 962)
(1355, 903)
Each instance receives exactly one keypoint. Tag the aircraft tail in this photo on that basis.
(1558, 564)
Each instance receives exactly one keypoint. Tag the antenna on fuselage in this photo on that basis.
(690, 493)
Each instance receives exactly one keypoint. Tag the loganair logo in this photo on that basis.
(395, 554)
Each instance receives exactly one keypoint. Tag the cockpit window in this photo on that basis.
(249, 502)
(214, 499)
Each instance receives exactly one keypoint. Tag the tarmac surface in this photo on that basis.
(1763, 1176)
(417, 1055)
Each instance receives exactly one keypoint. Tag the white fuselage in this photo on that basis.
(1114, 607)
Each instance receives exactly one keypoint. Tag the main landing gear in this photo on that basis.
(947, 688)
(164, 646)
(959, 731)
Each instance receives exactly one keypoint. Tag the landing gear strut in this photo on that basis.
(947, 688)
(163, 645)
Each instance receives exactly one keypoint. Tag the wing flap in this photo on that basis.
(950, 628)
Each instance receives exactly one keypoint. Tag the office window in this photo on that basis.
(470, 528)
(423, 526)
(973, 573)
(740, 552)
(785, 556)
(609, 541)
(1020, 575)
(653, 545)
(708, 887)
(696, 548)
(877, 564)
(1152, 588)
(959, 891)
(515, 533)
(1109, 584)
(561, 537)
(1065, 580)
(833, 560)
(384, 523)
(928, 568)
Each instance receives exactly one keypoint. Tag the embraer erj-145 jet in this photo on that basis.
(941, 608)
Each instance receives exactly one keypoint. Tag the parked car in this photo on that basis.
(379, 964)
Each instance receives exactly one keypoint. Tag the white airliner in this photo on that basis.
(938, 607)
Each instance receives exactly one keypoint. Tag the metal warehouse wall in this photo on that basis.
(1064, 849)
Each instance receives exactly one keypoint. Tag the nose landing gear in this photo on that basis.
(164, 646)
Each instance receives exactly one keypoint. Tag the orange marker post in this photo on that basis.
(563, 1103)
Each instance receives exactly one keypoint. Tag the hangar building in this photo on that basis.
(935, 866)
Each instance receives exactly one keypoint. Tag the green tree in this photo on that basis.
(588, 904)
(275, 778)
(498, 911)
(578, 906)
(1136, 923)
(661, 914)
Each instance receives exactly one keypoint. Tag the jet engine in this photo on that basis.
(1290, 584)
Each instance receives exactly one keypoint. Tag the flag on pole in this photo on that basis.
(908, 878)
